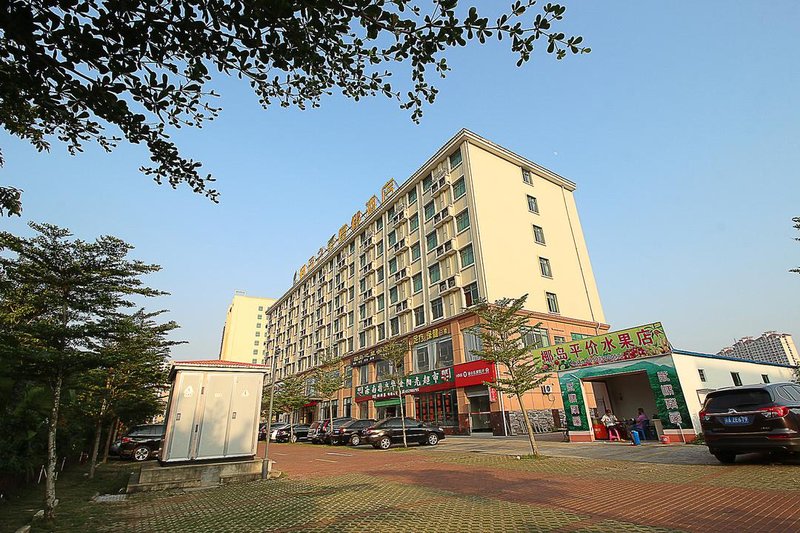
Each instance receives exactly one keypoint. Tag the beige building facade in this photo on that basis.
(770, 347)
(476, 222)
(245, 332)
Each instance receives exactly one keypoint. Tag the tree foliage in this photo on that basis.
(107, 71)
(502, 328)
(395, 353)
(289, 397)
(328, 379)
(60, 300)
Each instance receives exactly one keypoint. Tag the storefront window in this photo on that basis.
(423, 361)
(437, 408)
(472, 344)
(444, 353)
(382, 368)
(347, 407)
(433, 354)
(364, 374)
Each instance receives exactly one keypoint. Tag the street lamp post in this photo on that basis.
(265, 464)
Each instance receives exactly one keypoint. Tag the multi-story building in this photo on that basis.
(770, 347)
(245, 331)
(475, 222)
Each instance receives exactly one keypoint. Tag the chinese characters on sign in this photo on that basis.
(573, 406)
(426, 381)
(387, 191)
(670, 401)
(648, 340)
(430, 334)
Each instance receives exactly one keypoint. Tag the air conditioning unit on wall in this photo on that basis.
(547, 389)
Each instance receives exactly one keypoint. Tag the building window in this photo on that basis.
(765, 378)
(382, 368)
(350, 317)
(552, 302)
(577, 336)
(379, 249)
(444, 353)
(702, 374)
(381, 331)
(255, 352)
(471, 294)
(347, 407)
(392, 238)
(434, 273)
(455, 159)
(538, 234)
(381, 302)
(536, 337)
(472, 344)
(467, 257)
(544, 266)
(350, 344)
(393, 295)
(422, 359)
(437, 408)
(392, 265)
(394, 326)
(363, 372)
(559, 340)
(431, 241)
(419, 315)
(417, 281)
(380, 274)
(737, 380)
(260, 307)
(526, 176)
(379, 224)
(258, 325)
(427, 182)
(430, 209)
(412, 196)
(533, 205)
(462, 220)
(459, 189)
(362, 339)
(437, 309)
(413, 222)
(415, 251)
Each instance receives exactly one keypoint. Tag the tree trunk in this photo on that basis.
(98, 429)
(50, 482)
(112, 434)
(531, 438)
(402, 416)
(330, 413)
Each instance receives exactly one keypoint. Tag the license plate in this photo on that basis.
(736, 420)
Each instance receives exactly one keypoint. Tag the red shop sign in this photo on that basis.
(474, 373)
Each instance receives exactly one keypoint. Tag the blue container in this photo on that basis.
(635, 437)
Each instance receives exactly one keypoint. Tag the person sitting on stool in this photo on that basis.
(610, 422)
(642, 423)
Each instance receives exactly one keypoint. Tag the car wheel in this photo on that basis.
(355, 440)
(294, 438)
(141, 453)
(385, 443)
(727, 458)
(433, 439)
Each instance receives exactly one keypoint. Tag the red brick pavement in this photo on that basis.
(695, 506)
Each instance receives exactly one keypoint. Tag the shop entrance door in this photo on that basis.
(480, 415)
(623, 394)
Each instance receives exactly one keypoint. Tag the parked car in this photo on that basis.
(753, 418)
(352, 432)
(142, 442)
(323, 433)
(390, 431)
(298, 432)
(274, 428)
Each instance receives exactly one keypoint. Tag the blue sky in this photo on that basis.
(681, 129)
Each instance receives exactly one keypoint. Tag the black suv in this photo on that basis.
(325, 434)
(753, 418)
(295, 433)
(390, 430)
(142, 442)
(352, 432)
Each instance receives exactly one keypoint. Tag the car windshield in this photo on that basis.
(740, 400)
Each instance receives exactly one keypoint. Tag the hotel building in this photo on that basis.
(476, 222)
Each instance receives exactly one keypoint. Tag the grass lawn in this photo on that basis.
(74, 489)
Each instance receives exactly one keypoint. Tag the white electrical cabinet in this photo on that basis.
(213, 411)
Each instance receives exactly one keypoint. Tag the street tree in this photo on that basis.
(59, 297)
(134, 374)
(501, 330)
(109, 72)
(289, 397)
(328, 379)
(394, 352)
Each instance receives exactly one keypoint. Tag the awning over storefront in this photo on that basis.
(311, 403)
(387, 403)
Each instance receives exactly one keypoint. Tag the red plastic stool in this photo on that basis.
(613, 434)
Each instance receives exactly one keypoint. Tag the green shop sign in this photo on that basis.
(433, 380)
(648, 340)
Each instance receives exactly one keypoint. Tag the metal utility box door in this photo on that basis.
(212, 413)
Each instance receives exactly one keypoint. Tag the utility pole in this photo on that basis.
(265, 464)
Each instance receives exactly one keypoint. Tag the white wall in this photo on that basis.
(718, 375)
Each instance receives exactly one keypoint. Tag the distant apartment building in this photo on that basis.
(770, 347)
(244, 334)
(476, 222)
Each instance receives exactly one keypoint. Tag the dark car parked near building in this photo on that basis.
(352, 432)
(142, 442)
(390, 431)
(753, 418)
(324, 430)
(298, 432)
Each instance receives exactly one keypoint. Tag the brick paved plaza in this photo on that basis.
(426, 489)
